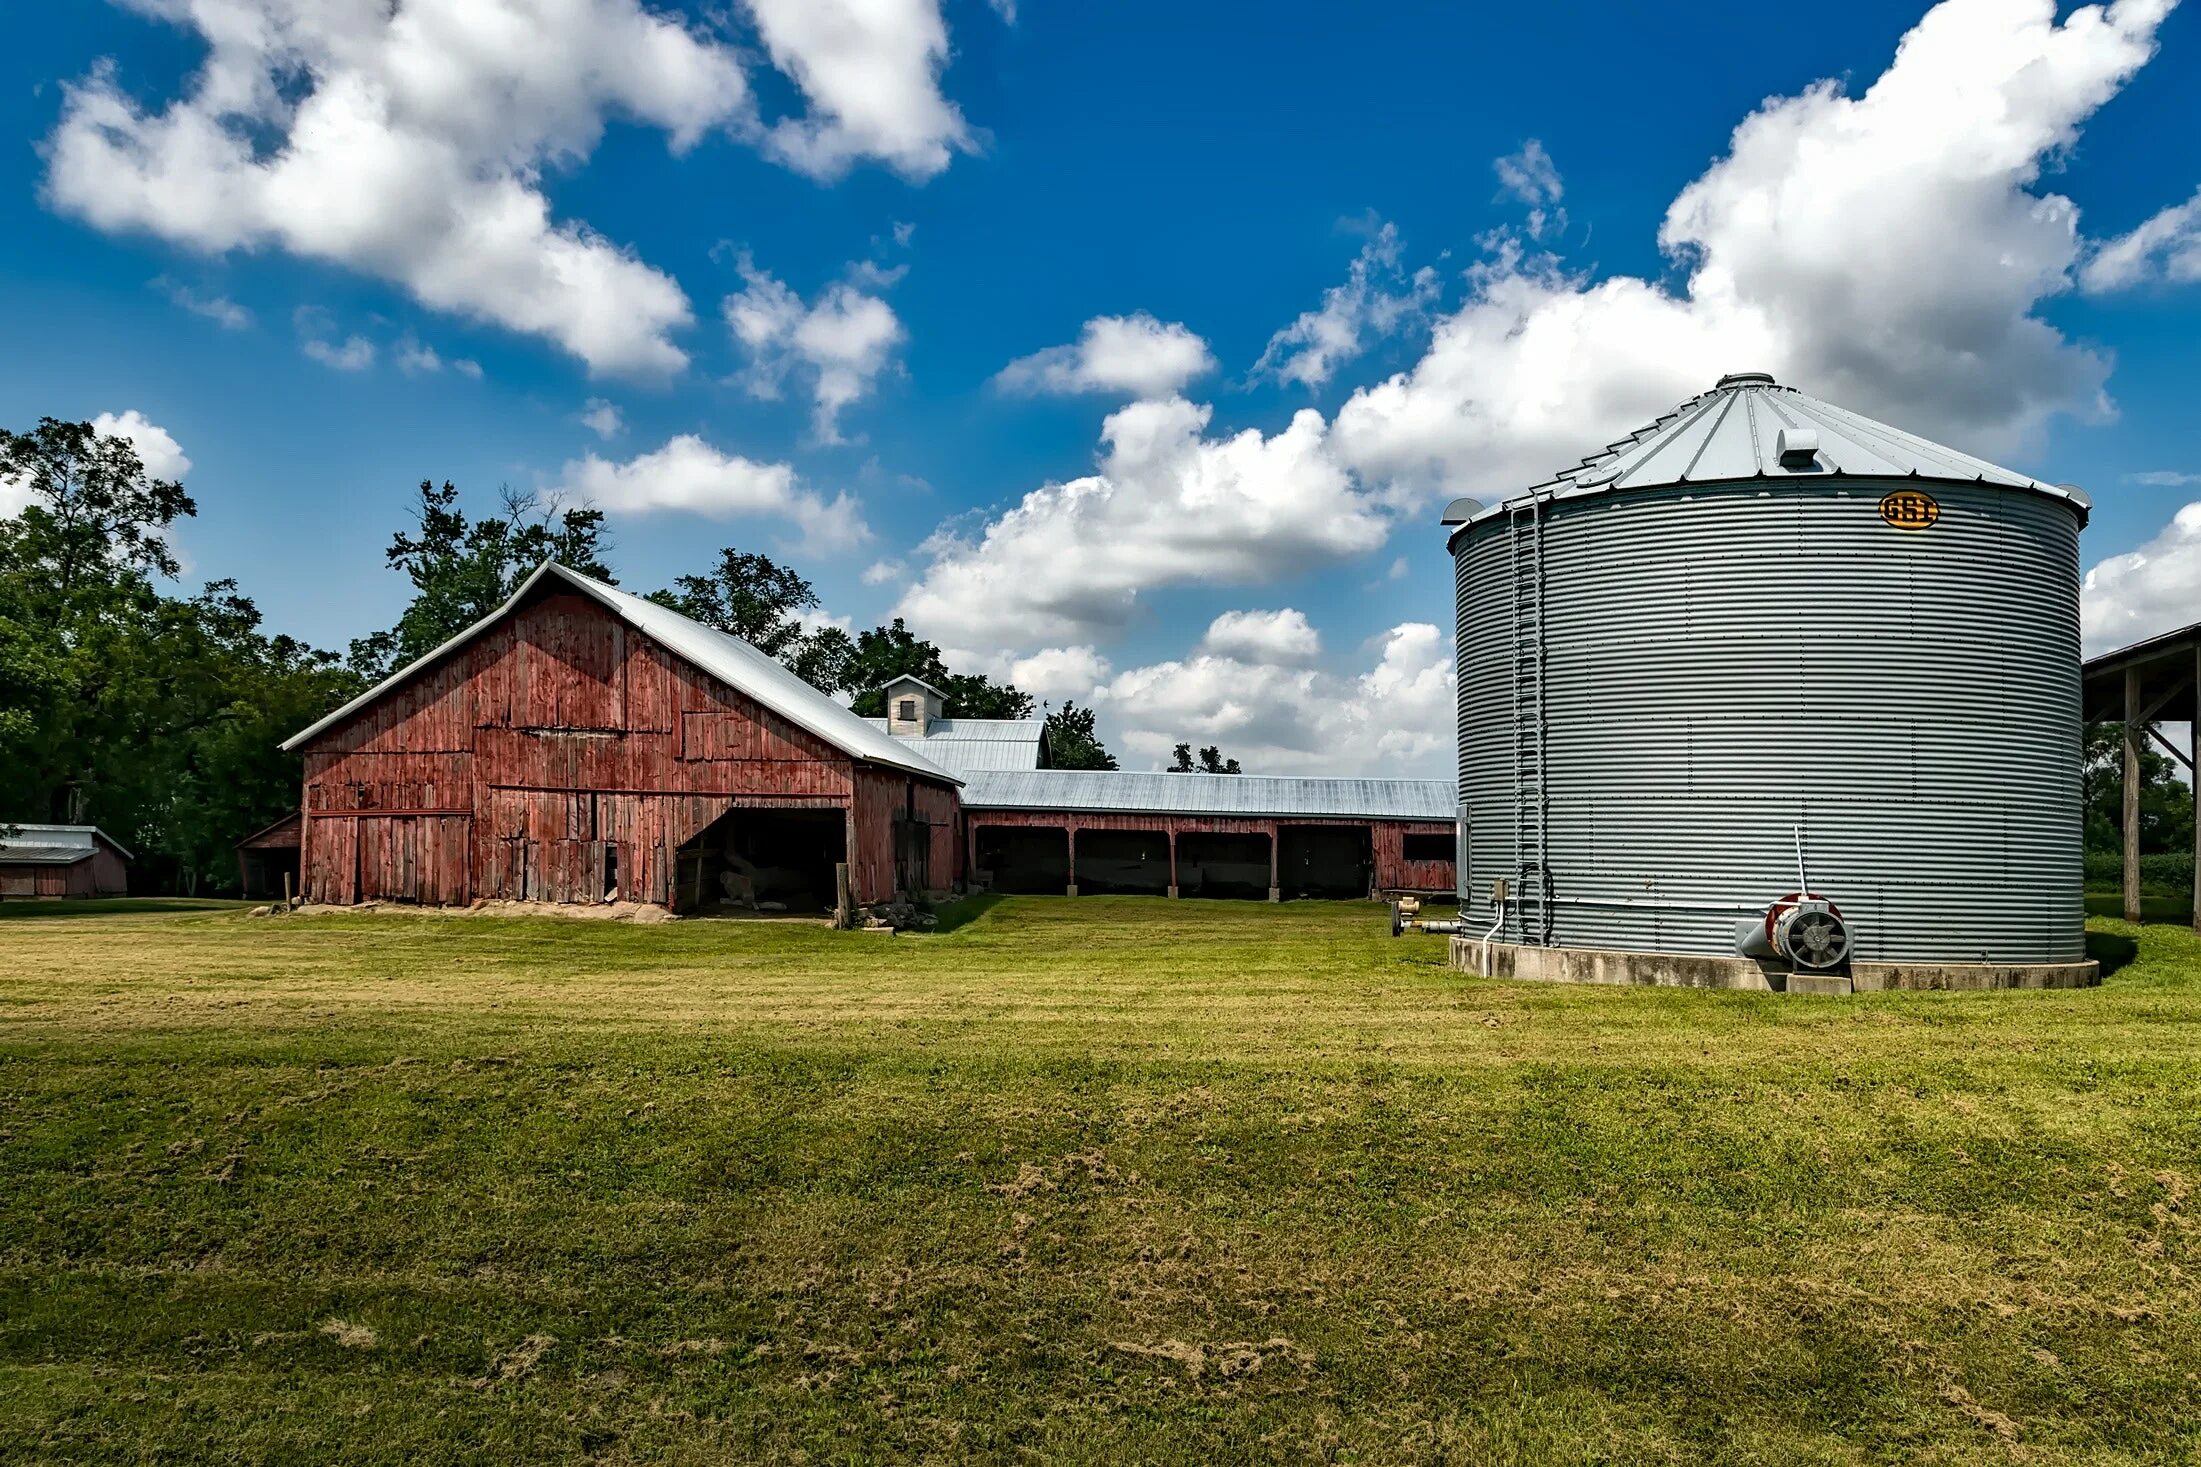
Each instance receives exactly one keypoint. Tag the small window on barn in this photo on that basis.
(908, 711)
(1431, 848)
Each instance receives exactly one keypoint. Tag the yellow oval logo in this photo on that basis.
(1909, 509)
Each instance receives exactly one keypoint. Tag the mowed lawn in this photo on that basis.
(1103, 1180)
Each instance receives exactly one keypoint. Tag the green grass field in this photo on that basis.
(1098, 1180)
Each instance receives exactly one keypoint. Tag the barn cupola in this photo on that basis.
(912, 705)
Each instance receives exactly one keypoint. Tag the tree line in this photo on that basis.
(156, 716)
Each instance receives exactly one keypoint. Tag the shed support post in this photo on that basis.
(2194, 730)
(1173, 862)
(1070, 840)
(1276, 885)
(2134, 732)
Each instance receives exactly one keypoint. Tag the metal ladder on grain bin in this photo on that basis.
(1531, 874)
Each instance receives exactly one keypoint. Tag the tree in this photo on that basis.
(752, 596)
(462, 570)
(92, 506)
(1071, 741)
(2166, 801)
(153, 716)
(1211, 761)
(886, 653)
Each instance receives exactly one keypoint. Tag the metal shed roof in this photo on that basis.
(1237, 795)
(962, 745)
(52, 845)
(2167, 687)
(1750, 427)
(727, 658)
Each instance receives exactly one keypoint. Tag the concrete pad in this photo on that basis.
(1714, 970)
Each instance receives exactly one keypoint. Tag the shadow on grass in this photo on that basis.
(118, 907)
(2111, 951)
(961, 913)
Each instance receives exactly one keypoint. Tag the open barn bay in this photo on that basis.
(1101, 1180)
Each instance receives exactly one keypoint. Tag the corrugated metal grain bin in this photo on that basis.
(1765, 632)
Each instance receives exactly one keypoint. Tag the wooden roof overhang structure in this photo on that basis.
(2141, 686)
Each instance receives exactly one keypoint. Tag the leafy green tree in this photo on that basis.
(1211, 761)
(1072, 742)
(825, 659)
(153, 716)
(2166, 801)
(762, 602)
(464, 569)
(93, 508)
(752, 596)
(886, 653)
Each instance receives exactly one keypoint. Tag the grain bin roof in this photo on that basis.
(1750, 427)
(727, 658)
(1241, 796)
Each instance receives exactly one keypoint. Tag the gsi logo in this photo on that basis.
(1909, 509)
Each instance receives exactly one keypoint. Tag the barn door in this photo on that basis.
(416, 858)
(332, 859)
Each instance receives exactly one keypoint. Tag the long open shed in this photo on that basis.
(2141, 686)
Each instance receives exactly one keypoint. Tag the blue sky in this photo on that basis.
(798, 260)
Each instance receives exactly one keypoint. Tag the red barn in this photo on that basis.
(61, 861)
(581, 744)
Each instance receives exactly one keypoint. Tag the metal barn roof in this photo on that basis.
(962, 745)
(727, 658)
(52, 845)
(1236, 795)
(1750, 427)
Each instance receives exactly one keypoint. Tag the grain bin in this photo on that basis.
(1768, 688)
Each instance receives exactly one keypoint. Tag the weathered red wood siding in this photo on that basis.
(1395, 873)
(105, 873)
(1387, 838)
(109, 874)
(556, 739)
(887, 800)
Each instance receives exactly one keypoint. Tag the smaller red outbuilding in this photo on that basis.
(61, 861)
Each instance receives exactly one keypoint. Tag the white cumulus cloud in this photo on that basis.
(2145, 592)
(841, 341)
(1396, 718)
(602, 418)
(157, 448)
(1378, 298)
(1887, 251)
(407, 142)
(1129, 356)
(690, 476)
(871, 72)
(219, 309)
(2165, 247)
(1169, 505)
(1282, 637)
(356, 354)
(1530, 177)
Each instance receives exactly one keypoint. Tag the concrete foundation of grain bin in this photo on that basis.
(1706, 970)
(1764, 632)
